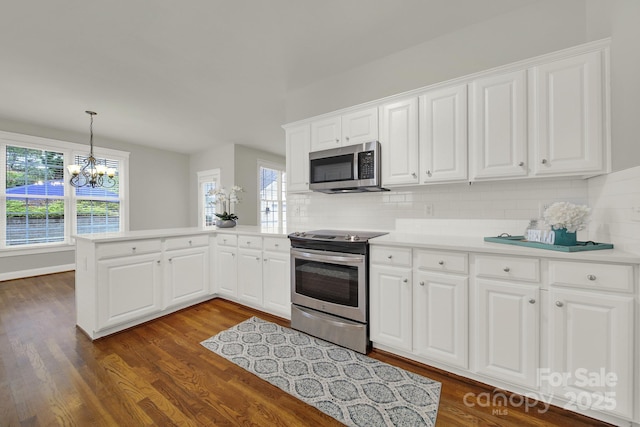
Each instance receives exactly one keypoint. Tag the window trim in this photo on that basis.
(69, 151)
(211, 175)
(271, 165)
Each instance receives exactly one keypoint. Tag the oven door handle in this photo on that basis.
(324, 256)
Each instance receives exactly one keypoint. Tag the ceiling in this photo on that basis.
(187, 75)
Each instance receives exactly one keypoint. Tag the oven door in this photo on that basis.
(331, 282)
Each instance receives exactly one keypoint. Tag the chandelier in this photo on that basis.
(90, 173)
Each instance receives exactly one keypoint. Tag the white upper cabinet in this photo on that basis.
(399, 142)
(298, 139)
(498, 126)
(567, 116)
(443, 135)
(352, 128)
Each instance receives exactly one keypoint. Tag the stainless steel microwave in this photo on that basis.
(350, 169)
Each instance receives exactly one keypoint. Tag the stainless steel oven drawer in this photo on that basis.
(330, 328)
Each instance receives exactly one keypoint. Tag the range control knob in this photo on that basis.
(352, 237)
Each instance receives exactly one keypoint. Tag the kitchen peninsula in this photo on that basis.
(124, 279)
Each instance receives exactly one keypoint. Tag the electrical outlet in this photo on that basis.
(428, 209)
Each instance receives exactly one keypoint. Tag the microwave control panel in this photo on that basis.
(366, 165)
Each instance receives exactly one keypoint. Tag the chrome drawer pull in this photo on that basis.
(390, 256)
(506, 269)
(591, 277)
(421, 283)
(441, 262)
(405, 280)
(532, 301)
(559, 303)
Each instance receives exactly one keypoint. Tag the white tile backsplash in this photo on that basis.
(612, 199)
(516, 200)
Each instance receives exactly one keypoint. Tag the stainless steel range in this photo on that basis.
(330, 286)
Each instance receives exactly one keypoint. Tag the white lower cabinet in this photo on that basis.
(128, 288)
(390, 310)
(440, 318)
(591, 349)
(276, 280)
(507, 331)
(186, 275)
(250, 276)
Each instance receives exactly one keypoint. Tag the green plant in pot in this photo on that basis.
(566, 219)
(226, 199)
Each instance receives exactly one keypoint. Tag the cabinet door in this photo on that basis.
(226, 271)
(498, 128)
(443, 135)
(390, 310)
(186, 275)
(128, 289)
(440, 318)
(507, 331)
(276, 274)
(326, 133)
(399, 142)
(360, 126)
(591, 341)
(250, 276)
(298, 139)
(567, 121)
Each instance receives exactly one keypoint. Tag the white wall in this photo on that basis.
(157, 180)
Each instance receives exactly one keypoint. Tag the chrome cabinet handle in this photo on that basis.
(277, 245)
(347, 138)
(337, 141)
(257, 259)
(266, 259)
(544, 161)
(532, 301)
(389, 256)
(421, 283)
(591, 277)
(413, 174)
(133, 249)
(190, 242)
(405, 280)
(559, 303)
(521, 164)
(441, 262)
(506, 269)
(429, 173)
(158, 262)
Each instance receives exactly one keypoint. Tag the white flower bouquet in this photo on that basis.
(566, 215)
(226, 199)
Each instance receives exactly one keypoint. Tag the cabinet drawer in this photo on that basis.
(504, 267)
(614, 277)
(450, 262)
(400, 257)
(187, 242)
(250, 242)
(132, 247)
(276, 244)
(227, 240)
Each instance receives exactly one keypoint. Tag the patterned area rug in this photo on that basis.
(352, 388)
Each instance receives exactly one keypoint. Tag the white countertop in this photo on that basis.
(183, 231)
(477, 244)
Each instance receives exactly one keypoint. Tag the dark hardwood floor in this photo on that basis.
(159, 374)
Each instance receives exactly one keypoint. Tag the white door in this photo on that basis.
(443, 135)
(507, 331)
(128, 289)
(250, 276)
(186, 275)
(276, 274)
(360, 126)
(399, 142)
(567, 115)
(440, 318)
(591, 343)
(298, 139)
(390, 310)
(226, 270)
(498, 126)
(326, 133)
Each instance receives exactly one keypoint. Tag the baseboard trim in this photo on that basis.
(36, 272)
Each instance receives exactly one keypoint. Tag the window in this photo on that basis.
(207, 182)
(272, 195)
(40, 207)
